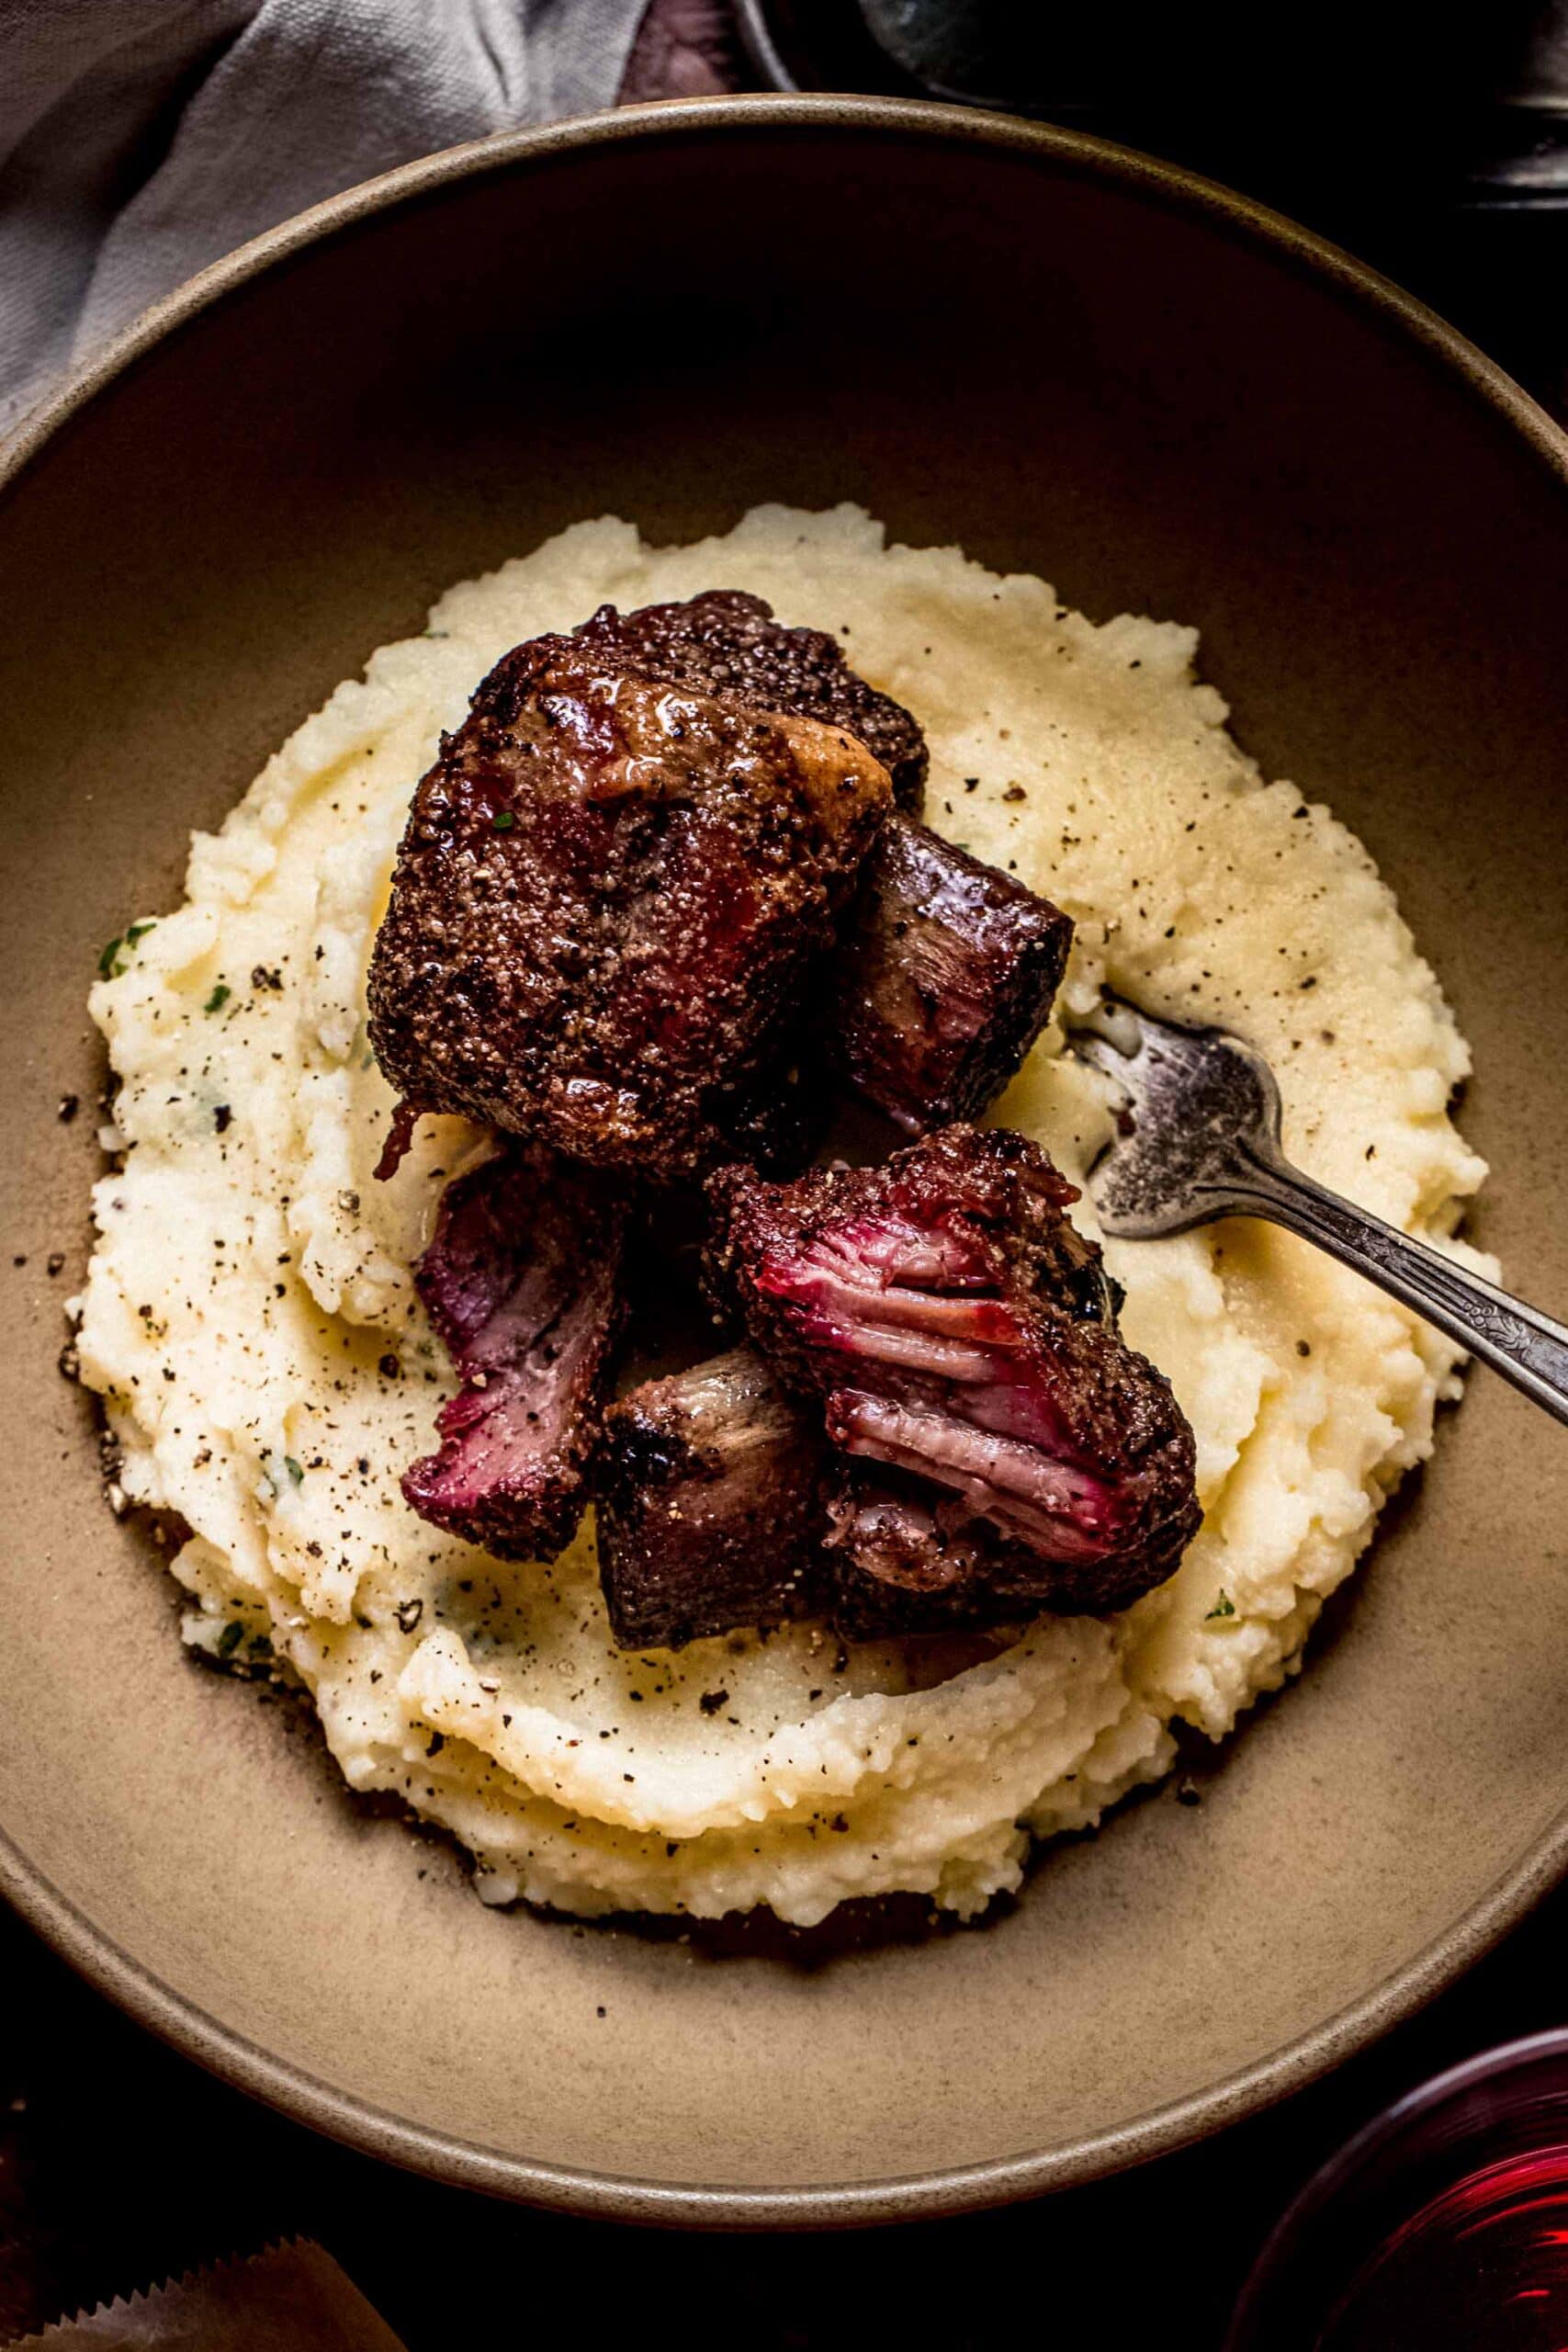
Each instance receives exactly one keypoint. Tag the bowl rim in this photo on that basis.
(292, 2090)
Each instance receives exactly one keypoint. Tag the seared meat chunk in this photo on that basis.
(949, 967)
(710, 1506)
(946, 976)
(960, 1331)
(727, 644)
(604, 904)
(522, 1281)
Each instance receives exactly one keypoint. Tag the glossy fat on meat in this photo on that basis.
(727, 644)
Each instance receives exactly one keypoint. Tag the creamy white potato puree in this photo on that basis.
(249, 1321)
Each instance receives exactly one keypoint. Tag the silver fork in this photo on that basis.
(1200, 1140)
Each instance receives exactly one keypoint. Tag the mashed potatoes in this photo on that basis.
(251, 1322)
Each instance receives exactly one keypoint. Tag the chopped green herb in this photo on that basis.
(229, 1640)
(294, 1470)
(111, 963)
(1224, 1607)
(503, 820)
(218, 1000)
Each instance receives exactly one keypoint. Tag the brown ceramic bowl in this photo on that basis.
(1074, 362)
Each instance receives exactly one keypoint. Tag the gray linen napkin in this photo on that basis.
(140, 140)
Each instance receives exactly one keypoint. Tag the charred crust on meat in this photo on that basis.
(605, 902)
(709, 1488)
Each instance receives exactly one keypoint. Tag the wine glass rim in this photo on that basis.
(1342, 2163)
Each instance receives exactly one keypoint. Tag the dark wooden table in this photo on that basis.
(120, 2164)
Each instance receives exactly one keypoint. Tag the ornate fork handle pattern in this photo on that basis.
(1524, 1345)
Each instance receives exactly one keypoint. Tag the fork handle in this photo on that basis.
(1524, 1345)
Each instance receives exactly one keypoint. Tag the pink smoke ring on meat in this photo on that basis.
(960, 1335)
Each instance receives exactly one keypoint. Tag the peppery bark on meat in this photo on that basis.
(946, 974)
(775, 1119)
(960, 1332)
(522, 1281)
(709, 1488)
(605, 902)
(727, 644)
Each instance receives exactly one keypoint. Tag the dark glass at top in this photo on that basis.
(1443, 2227)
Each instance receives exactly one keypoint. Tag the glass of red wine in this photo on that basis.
(1442, 2227)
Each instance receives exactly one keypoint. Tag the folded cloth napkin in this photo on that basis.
(293, 2297)
(140, 140)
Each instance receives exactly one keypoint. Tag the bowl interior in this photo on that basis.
(1071, 367)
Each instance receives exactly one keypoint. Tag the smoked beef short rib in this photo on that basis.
(960, 1332)
(605, 902)
(522, 1281)
(710, 1514)
(946, 974)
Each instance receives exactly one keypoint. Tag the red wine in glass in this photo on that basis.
(1443, 2227)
